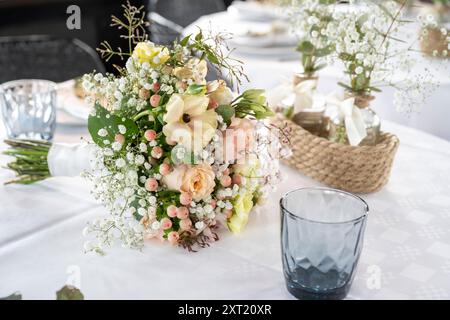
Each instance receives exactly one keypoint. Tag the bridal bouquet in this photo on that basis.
(173, 156)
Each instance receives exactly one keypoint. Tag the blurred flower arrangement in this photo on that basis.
(434, 20)
(373, 43)
(175, 156)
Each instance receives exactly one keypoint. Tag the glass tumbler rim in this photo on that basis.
(52, 85)
(294, 216)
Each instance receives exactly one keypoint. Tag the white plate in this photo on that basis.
(271, 40)
(275, 53)
(71, 104)
(253, 11)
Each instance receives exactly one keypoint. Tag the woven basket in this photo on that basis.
(358, 169)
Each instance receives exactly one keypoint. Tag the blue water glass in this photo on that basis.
(322, 233)
(29, 108)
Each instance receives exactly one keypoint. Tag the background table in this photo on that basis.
(406, 252)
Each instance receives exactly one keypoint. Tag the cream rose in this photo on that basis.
(196, 180)
(183, 73)
(219, 92)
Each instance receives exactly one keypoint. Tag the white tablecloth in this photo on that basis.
(406, 252)
(268, 72)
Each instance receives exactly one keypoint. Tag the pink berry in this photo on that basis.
(119, 138)
(144, 94)
(182, 213)
(226, 172)
(166, 223)
(150, 135)
(225, 181)
(154, 100)
(185, 199)
(185, 224)
(151, 184)
(164, 169)
(155, 87)
(181, 85)
(172, 211)
(237, 179)
(228, 213)
(173, 237)
(212, 104)
(156, 152)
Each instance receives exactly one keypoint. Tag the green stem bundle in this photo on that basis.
(30, 163)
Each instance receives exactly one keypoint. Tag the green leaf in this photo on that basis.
(253, 94)
(69, 293)
(305, 47)
(375, 89)
(288, 112)
(195, 89)
(346, 57)
(319, 67)
(185, 40)
(14, 296)
(346, 86)
(226, 111)
(212, 58)
(199, 36)
(103, 119)
(324, 51)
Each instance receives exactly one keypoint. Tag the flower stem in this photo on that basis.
(30, 163)
(141, 114)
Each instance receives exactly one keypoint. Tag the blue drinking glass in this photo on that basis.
(28, 108)
(322, 234)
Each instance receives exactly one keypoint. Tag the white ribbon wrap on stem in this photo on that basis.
(352, 117)
(69, 160)
(304, 95)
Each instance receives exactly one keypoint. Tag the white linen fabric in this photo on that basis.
(406, 250)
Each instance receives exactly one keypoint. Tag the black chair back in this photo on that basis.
(46, 57)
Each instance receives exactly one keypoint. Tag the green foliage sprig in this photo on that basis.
(250, 103)
(134, 25)
(215, 50)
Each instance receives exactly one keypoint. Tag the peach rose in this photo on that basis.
(198, 180)
(219, 92)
